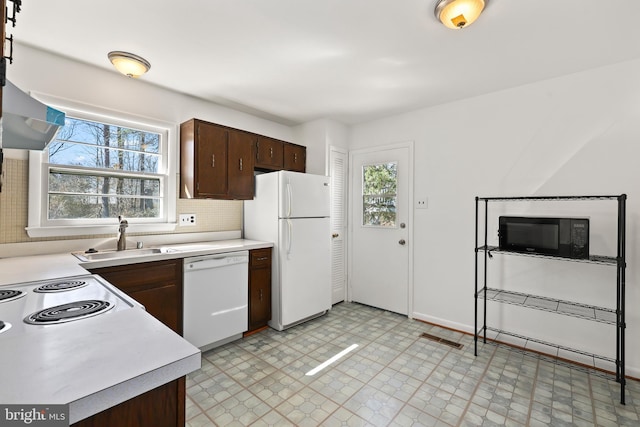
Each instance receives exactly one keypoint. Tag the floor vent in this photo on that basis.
(441, 340)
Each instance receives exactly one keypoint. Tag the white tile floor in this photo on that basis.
(394, 378)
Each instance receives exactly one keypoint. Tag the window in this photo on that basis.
(98, 168)
(379, 194)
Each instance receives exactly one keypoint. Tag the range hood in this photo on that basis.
(26, 122)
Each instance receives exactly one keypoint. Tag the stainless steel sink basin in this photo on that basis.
(102, 255)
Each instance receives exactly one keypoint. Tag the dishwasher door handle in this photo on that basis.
(211, 262)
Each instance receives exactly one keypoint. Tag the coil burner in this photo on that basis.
(61, 286)
(68, 312)
(7, 295)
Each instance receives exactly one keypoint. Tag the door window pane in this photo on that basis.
(379, 194)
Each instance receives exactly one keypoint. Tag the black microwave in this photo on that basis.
(562, 237)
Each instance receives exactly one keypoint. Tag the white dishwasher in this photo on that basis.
(216, 296)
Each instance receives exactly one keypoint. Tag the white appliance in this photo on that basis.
(215, 298)
(291, 210)
(28, 307)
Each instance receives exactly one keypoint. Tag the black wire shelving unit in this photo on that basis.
(612, 316)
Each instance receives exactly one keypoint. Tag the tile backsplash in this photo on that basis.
(212, 215)
(14, 201)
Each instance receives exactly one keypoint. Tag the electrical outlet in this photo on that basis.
(421, 203)
(187, 220)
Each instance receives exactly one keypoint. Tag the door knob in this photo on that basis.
(402, 241)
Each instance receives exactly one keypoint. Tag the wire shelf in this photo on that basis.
(557, 347)
(552, 305)
(589, 369)
(549, 198)
(593, 259)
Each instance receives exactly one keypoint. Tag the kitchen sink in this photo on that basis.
(194, 247)
(129, 253)
(103, 255)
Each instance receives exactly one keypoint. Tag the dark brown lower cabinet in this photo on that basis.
(160, 407)
(157, 286)
(259, 288)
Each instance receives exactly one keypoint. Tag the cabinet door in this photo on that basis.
(211, 146)
(163, 406)
(241, 161)
(269, 153)
(259, 298)
(259, 288)
(160, 302)
(156, 285)
(295, 157)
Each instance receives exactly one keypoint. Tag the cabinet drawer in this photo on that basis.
(260, 257)
(137, 277)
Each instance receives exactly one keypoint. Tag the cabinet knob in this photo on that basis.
(240, 163)
(402, 242)
(334, 235)
(271, 152)
(213, 160)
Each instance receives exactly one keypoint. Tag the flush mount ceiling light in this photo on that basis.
(129, 64)
(458, 14)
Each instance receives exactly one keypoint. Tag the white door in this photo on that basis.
(338, 173)
(303, 195)
(304, 268)
(381, 188)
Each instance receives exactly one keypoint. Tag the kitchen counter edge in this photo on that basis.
(55, 266)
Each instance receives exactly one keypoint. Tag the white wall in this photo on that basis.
(318, 136)
(40, 71)
(566, 136)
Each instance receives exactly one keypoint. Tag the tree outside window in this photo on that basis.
(379, 194)
(100, 170)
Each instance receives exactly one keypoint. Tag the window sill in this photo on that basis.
(92, 230)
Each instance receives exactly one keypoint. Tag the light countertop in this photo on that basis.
(103, 360)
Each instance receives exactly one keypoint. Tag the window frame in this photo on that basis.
(39, 225)
(388, 195)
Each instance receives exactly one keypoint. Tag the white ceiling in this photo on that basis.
(295, 61)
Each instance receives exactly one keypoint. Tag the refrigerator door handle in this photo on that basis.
(289, 199)
(290, 224)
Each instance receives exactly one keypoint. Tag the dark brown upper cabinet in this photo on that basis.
(215, 162)
(269, 153)
(295, 157)
(240, 166)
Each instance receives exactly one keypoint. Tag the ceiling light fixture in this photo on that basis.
(129, 64)
(458, 14)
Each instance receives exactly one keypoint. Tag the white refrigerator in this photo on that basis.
(291, 210)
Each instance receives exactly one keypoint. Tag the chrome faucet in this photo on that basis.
(122, 239)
